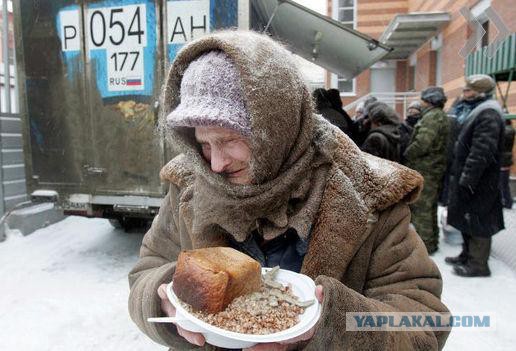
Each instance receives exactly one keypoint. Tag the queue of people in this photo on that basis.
(464, 157)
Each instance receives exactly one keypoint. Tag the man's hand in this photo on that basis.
(169, 310)
(290, 344)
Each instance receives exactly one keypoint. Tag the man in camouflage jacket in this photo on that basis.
(426, 154)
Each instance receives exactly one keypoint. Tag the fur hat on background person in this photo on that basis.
(381, 113)
(415, 105)
(334, 97)
(360, 107)
(480, 83)
(211, 95)
(434, 96)
(367, 103)
(321, 99)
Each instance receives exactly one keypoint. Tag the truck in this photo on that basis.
(90, 74)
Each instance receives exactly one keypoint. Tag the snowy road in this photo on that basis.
(65, 288)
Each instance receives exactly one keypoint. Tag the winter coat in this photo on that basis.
(362, 251)
(427, 150)
(508, 143)
(474, 199)
(330, 113)
(359, 243)
(406, 131)
(452, 138)
(336, 118)
(384, 142)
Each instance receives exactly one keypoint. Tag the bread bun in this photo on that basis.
(209, 279)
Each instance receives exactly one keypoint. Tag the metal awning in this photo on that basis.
(500, 64)
(317, 38)
(406, 33)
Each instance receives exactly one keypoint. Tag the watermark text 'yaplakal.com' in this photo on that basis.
(418, 321)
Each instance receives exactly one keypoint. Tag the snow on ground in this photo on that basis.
(65, 287)
(495, 296)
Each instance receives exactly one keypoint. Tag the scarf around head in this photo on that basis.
(291, 147)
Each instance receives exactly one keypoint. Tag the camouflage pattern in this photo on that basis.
(427, 153)
(424, 213)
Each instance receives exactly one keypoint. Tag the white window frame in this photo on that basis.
(478, 12)
(334, 82)
(436, 45)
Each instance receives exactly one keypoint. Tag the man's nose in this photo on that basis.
(219, 161)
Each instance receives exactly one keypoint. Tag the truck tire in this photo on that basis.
(129, 223)
(115, 223)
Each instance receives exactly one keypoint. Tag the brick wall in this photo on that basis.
(374, 16)
(506, 9)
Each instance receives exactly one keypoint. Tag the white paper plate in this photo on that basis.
(302, 286)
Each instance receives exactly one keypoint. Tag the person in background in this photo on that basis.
(505, 170)
(475, 206)
(359, 111)
(414, 114)
(363, 124)
(407, 127)
(324, 106)
(336, 102)
(383, 139)
(426, 153)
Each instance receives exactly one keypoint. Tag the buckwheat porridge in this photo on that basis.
(272, 309)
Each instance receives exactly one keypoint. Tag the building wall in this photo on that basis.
(455, 35)
(11, 37)
(374, 16)
(507, 11)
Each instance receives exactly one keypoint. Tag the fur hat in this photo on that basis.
(416, 105)
(381, 113)
(481, 83)
(434, 96)
(211, 95)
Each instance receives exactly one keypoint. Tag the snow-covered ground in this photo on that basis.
(65, 287)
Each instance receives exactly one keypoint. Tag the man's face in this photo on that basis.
(227, 151)
(413, 112)
(424, 104)
(469, 94)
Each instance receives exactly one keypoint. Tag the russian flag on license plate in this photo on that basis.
(134, 81)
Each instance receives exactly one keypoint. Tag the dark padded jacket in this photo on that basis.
(474, 199)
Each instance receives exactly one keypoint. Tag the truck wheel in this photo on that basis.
(128, 223)
(115, 223)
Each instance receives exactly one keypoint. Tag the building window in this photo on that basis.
(344, 11)
(436, 58)
(412, 78)
(485, 37)
(479, 13)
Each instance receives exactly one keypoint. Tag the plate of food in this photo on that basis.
(234, 303)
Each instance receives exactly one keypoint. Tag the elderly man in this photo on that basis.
(427, 154)
(475, 206)
(258, 171)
